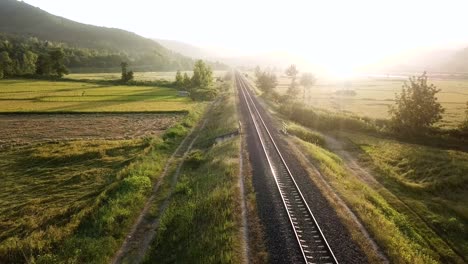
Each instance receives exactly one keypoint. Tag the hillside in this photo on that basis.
(22, 19)
(186, 49)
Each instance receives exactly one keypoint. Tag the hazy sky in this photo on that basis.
(338, 34)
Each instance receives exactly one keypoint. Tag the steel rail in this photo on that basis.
(309, 249)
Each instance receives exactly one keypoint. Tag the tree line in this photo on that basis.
(26, 55)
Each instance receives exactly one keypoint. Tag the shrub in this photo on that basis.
(416, 108)
(323, 120)
(306, 135)
(194, 159)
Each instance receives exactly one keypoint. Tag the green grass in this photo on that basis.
(75, 201)
(47, 190)
(202, 222)
(400, 235)
(60, 96)
(305, 134)
(433, 182)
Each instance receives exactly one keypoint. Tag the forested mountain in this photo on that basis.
(86, 46)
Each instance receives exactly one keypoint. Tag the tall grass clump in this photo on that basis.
(326, 121)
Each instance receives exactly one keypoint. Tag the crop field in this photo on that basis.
(139, 76)
(47, 96)
(20, 129)
(373, 96)
(77, 161)
(48, 189)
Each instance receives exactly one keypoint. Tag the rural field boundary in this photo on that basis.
(144, 229)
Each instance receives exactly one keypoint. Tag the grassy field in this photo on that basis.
(75, 201)
(47, 96)
(74, 183)
(432, 182)
(374, 96)
(384, 211)
(202, 222)
(139, 76)
(48, 189)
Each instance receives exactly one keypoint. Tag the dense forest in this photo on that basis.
(28, 32)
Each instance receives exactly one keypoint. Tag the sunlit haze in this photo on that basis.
(338, 35)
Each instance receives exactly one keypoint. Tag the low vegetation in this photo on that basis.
(100, 187)
(305, 134)
(432, 182)
(402, 235)
(410, 196)
(59, 96)
(202, 222)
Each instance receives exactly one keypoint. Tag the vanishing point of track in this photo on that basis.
(311, 241)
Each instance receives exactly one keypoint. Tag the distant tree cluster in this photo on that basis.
(200, 84)
(266, 81)
(19, 58)
(307, 80)
(21, 55)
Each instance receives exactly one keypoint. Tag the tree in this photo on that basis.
(258, 71)
(29, 62)
(202, 75)
(179, 80)
(43, 65)
(5, 63)
(416, 107)
(57, 57)
(126, 75)
(464, 125)
(307, 81)
(186, 81)
(123, 66)
(266, 81)
(292, 72)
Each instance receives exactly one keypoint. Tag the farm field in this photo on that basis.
(374, 96)
(20, 129)
(61, 96)
(84, 188)
(48, 189)
(139, 76)
(77, 162)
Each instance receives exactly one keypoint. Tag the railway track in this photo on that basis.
(310, 239)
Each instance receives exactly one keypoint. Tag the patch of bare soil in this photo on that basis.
(19, 129)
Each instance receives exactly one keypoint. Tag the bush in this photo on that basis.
(203, 94)
(306, 135)
(194, 159)
(174, 132)
(323, 120)
(416, 108)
